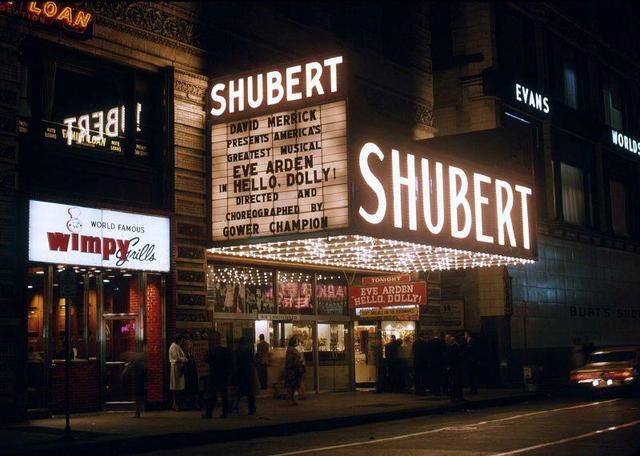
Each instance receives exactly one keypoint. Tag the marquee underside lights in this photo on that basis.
(367, 253)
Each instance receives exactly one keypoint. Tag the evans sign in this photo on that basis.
(417, 198)
(532, 99)
(66, 234)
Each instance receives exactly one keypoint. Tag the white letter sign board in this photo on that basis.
(281, 173)
(69, 234)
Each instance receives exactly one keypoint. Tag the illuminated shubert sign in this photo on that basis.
(427, 200)
(295, 83)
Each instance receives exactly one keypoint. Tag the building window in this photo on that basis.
(613, 103)
(516, 44)
(566, 80)
(618, 202)
(570, 87)
(573, 194)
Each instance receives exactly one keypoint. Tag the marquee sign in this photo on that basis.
(67, 234)
(388, 295)
(278, 174)
(406, 193)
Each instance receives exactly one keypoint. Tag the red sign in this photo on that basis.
(388, 295)
(380, 280)
(58, 14)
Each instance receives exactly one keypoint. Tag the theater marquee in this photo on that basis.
(284, 172)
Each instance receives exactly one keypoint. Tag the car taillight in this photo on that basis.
(620, 374)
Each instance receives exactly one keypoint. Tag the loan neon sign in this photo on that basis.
(428, 200)
(65, 16)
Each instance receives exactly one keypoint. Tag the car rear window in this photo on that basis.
(612, 357)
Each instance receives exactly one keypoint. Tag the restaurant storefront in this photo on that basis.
(86, 262)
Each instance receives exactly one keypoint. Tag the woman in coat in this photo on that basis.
(178, 361)
(294, 369)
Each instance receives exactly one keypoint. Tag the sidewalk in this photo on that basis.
(119, 432)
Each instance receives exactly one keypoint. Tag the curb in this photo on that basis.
(143, 443)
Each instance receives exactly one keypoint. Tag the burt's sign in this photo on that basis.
(66, 234)
(54, 14)
(388, 295)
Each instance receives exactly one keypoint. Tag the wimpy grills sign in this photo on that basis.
(65, 234)
(389, 293)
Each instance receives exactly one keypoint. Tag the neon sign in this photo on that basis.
(73, 19)
(92, 128)
(625, 142)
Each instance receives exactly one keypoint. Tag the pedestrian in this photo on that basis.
(245, 374)
(219, 362)
(470, 357)
(435, 354)
(262, 361)
(136, 367)
(294, 369)
(190, 375)
(392, 354)
(419, 364)
(454, 368)
(177, 360)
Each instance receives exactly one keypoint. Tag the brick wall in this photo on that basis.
(83, 385)
(153, 342)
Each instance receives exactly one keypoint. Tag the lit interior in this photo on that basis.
(367, 253)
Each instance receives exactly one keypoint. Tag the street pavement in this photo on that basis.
(553, 427)
(119, 432)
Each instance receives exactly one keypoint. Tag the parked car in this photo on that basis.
(609, 368)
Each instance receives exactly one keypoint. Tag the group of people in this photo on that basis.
(243, 369)
(436, 363)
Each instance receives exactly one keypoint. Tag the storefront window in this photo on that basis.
(75, 307)
(331, 341)
(121, 293)
(331, 294)
(235, 289)
(295, 293)
(404, 331)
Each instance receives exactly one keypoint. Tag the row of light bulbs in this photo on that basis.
(368, 253)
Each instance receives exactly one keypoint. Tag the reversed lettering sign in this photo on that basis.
(278, 174)
(68, 234)
(388, 295)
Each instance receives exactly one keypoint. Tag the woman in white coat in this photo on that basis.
(178, 361)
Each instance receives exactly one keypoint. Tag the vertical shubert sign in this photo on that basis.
(279, 151)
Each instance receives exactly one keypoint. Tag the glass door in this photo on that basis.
(121, 333)
(367, 354)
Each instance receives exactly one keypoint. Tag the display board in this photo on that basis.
(281, 173)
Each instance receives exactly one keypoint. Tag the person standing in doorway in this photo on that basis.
(454, 368)
(178, 361)
(419, 349)
(392, 354)
(219, 362)
(262, 361)
(245, 373)
(471, 356)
